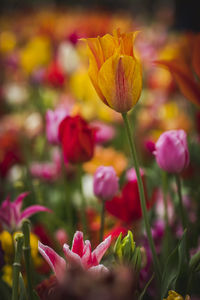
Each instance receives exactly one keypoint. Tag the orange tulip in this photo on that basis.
(114, 70)
(185, 68)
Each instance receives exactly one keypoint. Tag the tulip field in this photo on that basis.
(99, 156)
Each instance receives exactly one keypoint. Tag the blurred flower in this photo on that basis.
(77, 139)
(68, 57)
(61, 236)
(54, 75)
(10, 212)
(53, 120)
(33, 124)
(105, 183)
(114, 70)
(171, 151)
(79, 256)
(15, 93)
(107, 157)
(126, 206)
(185, 67)
(36, 53)
(48, 170)
(7, 41)
(172, 295)
(104, 132)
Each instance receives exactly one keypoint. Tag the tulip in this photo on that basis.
(171, 151)
(10, 212)
(105, 182)
(53, 120)
(80, 256)
(114, 70)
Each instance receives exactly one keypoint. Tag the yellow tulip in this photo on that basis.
(172, 295)
(114, 70)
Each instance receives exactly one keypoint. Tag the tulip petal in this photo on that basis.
(120, 80)
(56, 262)
(185, 80)
(98, 269)
(101, 249)
(87, 255)
(78, 243)
(31, 210)
(72, 258)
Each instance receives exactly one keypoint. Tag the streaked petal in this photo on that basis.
(98, 269)
(72, 258)
(31, 210)
(101, 249)
(56, 262)
(120, 80)
(87, 255)
(17, 205)
(185, 80)
(78, 243)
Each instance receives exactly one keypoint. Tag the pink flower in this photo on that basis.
(105, 183)
(104, 133)
(80, 255)
(171, 151)
(53, 120)
(11, 215)
(48, 170)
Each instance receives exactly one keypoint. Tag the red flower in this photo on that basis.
(77, 139)
(54, 75)
(126, 206)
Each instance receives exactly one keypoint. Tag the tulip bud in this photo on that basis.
(171, 151)
(105, 182)
(126, 252)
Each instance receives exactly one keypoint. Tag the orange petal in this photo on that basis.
(196, 55)
(108, 45)
(186, 82)
(120, 81)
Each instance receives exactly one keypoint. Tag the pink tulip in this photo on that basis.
(171, 151)
(80, 256)
(53, 120)
(105, 183)
(104, 133)
(10, 212)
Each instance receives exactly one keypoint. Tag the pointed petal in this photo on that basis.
(78, 244)
(31, 210)
(185, 80)
(120, 81)
(19, 200)
(72, 258)
(56, 262)
(87, 255)
(5, 211)
(101, 249)
(98, 269)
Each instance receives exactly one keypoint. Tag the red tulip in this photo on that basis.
(77, 139)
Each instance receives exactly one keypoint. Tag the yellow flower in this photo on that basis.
(172, 295)
(7, 274)
(7, 41)
(6, 241)
(114, 70)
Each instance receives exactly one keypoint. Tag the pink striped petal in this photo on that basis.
(31, 210)
(87, 255)
(19, 200)
(98, 269)
(101, 249)
(78, 243)
(56, 262)
(72, 258)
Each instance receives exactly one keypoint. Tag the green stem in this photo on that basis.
(142, 196)
(180, 202)
(17, 265)
(102, 221)
(27, 257)
(83, 203)
(164, 189)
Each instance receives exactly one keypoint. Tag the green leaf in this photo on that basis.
(5, 291)
(22, 289)
(146, 287)
(35, 296)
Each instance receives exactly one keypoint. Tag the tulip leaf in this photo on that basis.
(5, 291)
(22, 294)
(175, 267)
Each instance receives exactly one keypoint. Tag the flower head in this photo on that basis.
(105, 182)
(11, 215)
(114, 70)
(53, 120)
(80, 255)
(77, 139)
(171, 151)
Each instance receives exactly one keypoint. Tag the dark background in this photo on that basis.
(186, 12)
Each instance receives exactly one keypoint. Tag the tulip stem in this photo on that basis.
(27, 257)
(17, 265)
(142, 196)
(164, 189)
(180, 202)
(102, 221)
(83, 203)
